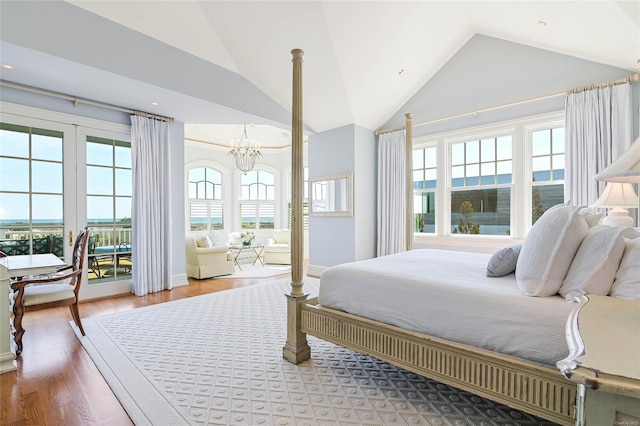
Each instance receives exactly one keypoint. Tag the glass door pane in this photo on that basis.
(108, 168)
(32, 219)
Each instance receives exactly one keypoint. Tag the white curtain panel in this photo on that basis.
(392, 202)
(598, 130)
(151, 209)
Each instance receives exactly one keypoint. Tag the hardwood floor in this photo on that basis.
(56, 382)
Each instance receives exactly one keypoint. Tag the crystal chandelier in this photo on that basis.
(245, 152)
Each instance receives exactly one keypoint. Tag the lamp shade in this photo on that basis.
(617, 194)
(626, 168)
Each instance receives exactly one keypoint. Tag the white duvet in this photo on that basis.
(446, 294)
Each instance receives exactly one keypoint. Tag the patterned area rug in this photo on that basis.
(217, 359)
(258, 271)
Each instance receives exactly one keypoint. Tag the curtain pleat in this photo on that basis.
(392, 203)
(598, 129)
(151, 209)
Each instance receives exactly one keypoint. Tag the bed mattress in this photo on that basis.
(446, 294)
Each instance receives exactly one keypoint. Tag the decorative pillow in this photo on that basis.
(591, 217)
(548, 250)
(627, 281)
(503, 262)
(203, 241)
(219, 237)
(594, 267)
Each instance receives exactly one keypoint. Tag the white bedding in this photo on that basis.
(446, 294)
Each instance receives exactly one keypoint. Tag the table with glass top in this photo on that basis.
(246, 255)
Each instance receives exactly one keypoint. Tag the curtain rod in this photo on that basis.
(77, 101)
(623, 80)
(632, 77)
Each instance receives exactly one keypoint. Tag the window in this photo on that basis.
(424, 186)
(492, 180)
(481, 177)
(257, 200)
(31, 190)
(547, 166)
(205, 199)
(109, 209)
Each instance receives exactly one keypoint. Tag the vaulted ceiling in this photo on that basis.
(214, 62)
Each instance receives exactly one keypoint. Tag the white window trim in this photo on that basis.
(226, 208)
(520, 130)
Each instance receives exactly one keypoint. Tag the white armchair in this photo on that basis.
(277, 250)
(205, 260)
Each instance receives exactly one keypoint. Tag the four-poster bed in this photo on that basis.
(536, 389)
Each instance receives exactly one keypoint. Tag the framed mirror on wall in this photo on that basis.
(331, 195)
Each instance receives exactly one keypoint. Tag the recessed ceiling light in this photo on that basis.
(7, 66)
(154, 103)
(542, 24)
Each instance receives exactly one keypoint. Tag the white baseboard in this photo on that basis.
(7, 362)
(179, 280)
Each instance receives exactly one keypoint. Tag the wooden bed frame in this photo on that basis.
(537, 390)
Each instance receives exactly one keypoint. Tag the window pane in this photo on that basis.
(14, 208)
(424, 212)
(430, 157)
(14, 141)
(544, 197)
(123, 211)
(557, 136)
(503, 148)
(99, 180)
(14, 174)
(196, 174)
(123, 182)
(473, 152)
(122, 154)
(100, 210)
(47, 177)
(541, 169)
(503, 169)
(457, 153)
(483, 212)
(47, 208)
(541, 144)
(488, 150)
(99, 151)
(418, 159)
(46, 145)
(266, 177)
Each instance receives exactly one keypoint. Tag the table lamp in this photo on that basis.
(623, 172)
(618, 195)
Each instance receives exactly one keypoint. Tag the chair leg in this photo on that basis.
(18, 313)
(76, 317)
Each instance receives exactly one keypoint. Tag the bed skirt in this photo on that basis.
(532, 388)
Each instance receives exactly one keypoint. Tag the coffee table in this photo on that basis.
(247, 254)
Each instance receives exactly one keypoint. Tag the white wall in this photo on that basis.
(339, 239)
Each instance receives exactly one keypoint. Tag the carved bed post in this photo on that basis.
(409, 147)
(296, 348)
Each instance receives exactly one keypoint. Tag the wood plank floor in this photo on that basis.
(56, 382)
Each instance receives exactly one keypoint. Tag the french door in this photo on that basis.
(56, 178)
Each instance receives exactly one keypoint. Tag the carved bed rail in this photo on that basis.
(538, 390)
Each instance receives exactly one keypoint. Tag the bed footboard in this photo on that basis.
(537, 390)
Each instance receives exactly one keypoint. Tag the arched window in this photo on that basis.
(257, 200)
(205, 199)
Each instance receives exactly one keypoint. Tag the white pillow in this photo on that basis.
(203, 241)
(596, 262)
(219, 237)
(503, 261)
(627, 281)
(548, 250)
